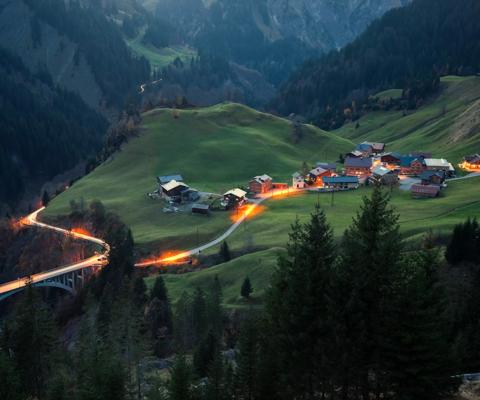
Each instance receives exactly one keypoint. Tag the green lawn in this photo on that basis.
(215, 149)
(160, 58)
(257, 266)
(434, 127)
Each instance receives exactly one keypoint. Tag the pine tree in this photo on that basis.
(364, 292)
(204, 354)
(216, 387)
(246, 289)
(420, 359)
(247, 360)
(199, 316)
(297, 308)
(10, 389)
(214, 307)
(224, 253)
(179, 387)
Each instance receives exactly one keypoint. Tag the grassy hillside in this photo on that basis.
(160, 58)
(448, 125)
(215, 149)
(257, 266)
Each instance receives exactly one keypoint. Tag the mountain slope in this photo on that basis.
(448, 126)
(215, 149)
(408, 48)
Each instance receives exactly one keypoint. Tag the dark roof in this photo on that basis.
(428, 174)
(421, 154)
(340, 179)
(201, 206)
(355, 153)
(425, 189)
(364, 147)
(475, 158)
(358, 162)
(167, 178)
(327, 166)
(393, 154)
(406, 161)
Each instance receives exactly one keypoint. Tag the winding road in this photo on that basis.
(96, 260)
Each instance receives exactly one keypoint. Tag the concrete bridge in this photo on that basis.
(69, 277)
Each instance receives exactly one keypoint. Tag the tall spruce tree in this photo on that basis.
(297, 308)
(180, 384)
(247, 360)
(420, 358)
(367, 274)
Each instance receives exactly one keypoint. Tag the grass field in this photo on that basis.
(215, 149)
(448, 125)
(257, 266)
(160, 58)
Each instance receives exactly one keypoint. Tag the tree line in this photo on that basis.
(408, 48)
(363, 318)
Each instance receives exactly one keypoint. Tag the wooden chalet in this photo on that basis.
(234, 198)
(354, 154)
(391, 158)
(358, 166)
(433, 178)
(410, 165)
(332, 167)
(201, 209)
(163, 180)
(174, 189)
(316, 175)
(261, 184)
(439, 164)
(424, 191)
(384, 176)
(298, 181)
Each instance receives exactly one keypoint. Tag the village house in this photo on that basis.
(471, 163)
(163, 180)
(384, 176)
(439, 164)
(391, 158)
(201, 209)
(234, 198)
(341, 182)
(410, 165)
(433, 178)
(370, 148)
(331, 167)
(174, 189)
(316, 175)
(298, 181)
(260, 184)
(424, 191)
(358, 166)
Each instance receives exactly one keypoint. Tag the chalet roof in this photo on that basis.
(381, 171)
(198, 206)
(355, 153)
(236, 192)
(406, 161)
(167, 178)
(438, 163)
(428, 174)
(262, 178)
(317, 171)
(421, 154)
(393, 154)
(425, 189)
(297, 175)
(173, 185)
(364, 147)
(327, 166)
(358, 162)
(340, 179)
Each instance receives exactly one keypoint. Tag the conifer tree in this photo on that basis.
(205, 353)
(10, 389)
(420, 358)
(247, 360)
(179, 387)
(214, 307)
(45, 198)
(298, 308)
(367, 275)
(246, 289)
(216, 386)
(224, 253)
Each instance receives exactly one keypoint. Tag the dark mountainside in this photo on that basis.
(408, 48)
(65, 69)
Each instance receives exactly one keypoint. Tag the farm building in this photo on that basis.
(163, 180)
(316, 175)
(332, 167)
(439, 164)
(358, 166)
(341, 182)
(298, 181)
(369, 148)
(391, 158)
(354, 154)
(174, 189)
(410, 165)
(433, 178)
(233, 198)
(471, 163)
(260, 184)
(425, 191)
(189, 195)
(384, 176)
(201, 209)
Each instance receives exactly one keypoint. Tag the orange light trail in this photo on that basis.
(171, 257)
(248, 211)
